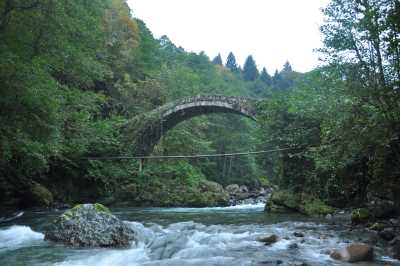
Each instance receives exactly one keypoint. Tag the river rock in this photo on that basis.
(243, 189)
(381, 208)
(395, 248)
(232, 189)
(359, 216)
(281, 201)
(354, 253)
(90, 225)
(298, 234)
(387, 234)
(268, 240)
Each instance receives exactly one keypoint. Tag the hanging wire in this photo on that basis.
(189, 156)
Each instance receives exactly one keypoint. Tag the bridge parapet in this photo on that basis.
(241, 104)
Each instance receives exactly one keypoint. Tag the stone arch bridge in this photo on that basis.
(149, 127)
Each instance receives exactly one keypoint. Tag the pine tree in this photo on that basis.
(276, 78)
(250, 71)
(231, 62)
(217, 60)
(265, 77)
(282, 80)
(287, 67)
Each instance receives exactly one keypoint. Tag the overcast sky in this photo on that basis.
(273, 31)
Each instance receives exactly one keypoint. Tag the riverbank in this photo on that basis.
(377, 223)
(189, 236)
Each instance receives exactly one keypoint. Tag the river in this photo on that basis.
(186, 236)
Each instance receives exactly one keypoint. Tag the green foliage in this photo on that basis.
(264, 181)
(40, 195)
(79, 79)
(341, 120)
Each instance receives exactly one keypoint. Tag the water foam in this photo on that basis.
(258, 206)
(17, 236)
(137, 255)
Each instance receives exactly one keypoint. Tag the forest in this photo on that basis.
(73, 74)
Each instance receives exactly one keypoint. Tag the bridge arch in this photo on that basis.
(149, 128)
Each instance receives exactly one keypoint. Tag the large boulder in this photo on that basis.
(90, 225)
(281, 201)
(209, 193)
(354, 253)
(287, 201)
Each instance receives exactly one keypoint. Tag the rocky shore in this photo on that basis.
(204, 194)
(376, 224)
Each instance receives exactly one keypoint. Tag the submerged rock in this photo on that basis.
(354, 253)
(268, 240)
(293, 246)
(387, 234)
(396, 248)
(90, 225)
(298, 234)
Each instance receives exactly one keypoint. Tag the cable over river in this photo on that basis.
(187, 236)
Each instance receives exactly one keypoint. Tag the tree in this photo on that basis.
(287, 67)
(231, 62)
(265, 77)
(217, 60)
(364, 36)
(250, 71)
(276, 78)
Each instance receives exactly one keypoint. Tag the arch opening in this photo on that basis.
(150, 128)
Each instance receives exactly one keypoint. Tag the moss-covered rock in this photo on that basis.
(315, 206)
(90, 225)
(377, 226)
(208, 193)
(359, 216)
(287, 201)
(282, 201)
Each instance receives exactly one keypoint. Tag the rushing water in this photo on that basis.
(185, 236)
